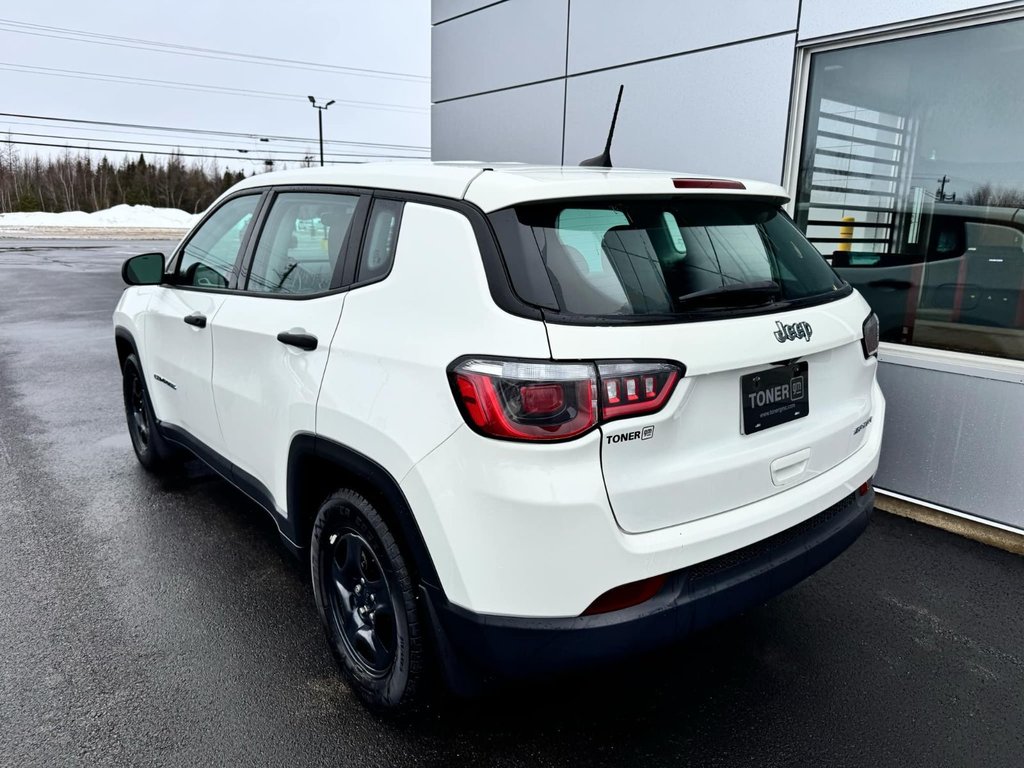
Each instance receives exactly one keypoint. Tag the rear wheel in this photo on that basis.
(364, 593)
(152, 451)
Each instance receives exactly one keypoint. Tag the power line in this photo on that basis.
(159, 135)
(166, 154)
(207, 131)
(291, 154)
(196, 87)
(61, 33)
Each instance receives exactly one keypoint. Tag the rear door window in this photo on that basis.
(648, 256)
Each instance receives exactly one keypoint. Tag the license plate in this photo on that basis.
(774, 397)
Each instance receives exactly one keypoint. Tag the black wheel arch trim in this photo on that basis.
(123, 334)
(306, 446)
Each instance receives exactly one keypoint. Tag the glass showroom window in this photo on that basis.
(912, 182)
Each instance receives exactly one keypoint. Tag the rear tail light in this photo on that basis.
(546, 401)
(870, 338)
(527, 400)
(631, 389)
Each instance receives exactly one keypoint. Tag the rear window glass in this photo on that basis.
(650, 256)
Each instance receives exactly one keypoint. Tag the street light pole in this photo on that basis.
(320, 123)
(320, 127)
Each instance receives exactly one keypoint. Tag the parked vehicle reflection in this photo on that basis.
(956, 282)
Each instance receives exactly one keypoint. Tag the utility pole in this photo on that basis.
(940, 195)
(320, 123)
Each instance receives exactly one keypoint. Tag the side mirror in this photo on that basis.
(144, 269)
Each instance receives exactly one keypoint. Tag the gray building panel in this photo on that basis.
(721, 112)
(509, 44)
(517, 124)
(442, 10)
(954, 440)
(827, 17)
(605, 33)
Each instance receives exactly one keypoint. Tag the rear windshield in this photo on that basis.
(661, 257)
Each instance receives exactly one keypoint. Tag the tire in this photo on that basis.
(376, 638)
(151, 449)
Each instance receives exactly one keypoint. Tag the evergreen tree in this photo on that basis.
(76, 182)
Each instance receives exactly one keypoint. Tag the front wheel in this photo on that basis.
(365, 597)
(152, 451)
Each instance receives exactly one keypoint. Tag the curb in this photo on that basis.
(985, 534)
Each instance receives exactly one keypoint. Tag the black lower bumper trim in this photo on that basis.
(692, 598)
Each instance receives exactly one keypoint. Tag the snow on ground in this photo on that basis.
(120, 216)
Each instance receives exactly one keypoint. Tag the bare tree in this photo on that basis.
(995, 197)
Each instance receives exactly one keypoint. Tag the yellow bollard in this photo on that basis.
(845, 234)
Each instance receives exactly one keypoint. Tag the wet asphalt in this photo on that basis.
(149, 623)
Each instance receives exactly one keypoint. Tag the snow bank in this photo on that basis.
(122, 216)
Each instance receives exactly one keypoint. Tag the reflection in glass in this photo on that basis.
(912, 181)
(301, 243)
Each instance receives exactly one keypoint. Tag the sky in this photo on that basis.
(390, 36)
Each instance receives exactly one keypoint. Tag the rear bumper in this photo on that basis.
(515, 530)
(692, 598)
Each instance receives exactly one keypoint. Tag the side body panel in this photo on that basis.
(181, 355)
(265, 391)
(130, 317)
(386, 393)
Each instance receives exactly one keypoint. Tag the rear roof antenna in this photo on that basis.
(604, 160)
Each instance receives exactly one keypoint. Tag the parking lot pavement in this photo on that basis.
(163, 624)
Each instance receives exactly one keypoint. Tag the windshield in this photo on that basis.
(650, 256)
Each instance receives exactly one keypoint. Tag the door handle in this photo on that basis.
(306, 341)
(197, 319)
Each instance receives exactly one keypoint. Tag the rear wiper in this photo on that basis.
(735, 295)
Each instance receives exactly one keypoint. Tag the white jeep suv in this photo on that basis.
(519, 419)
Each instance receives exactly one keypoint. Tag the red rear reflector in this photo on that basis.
(627, 595)
(865, 487)
(707, 184)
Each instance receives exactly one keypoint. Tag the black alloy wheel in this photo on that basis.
(361, 602)
(366, 598)
(154, 453)
(138, 415)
